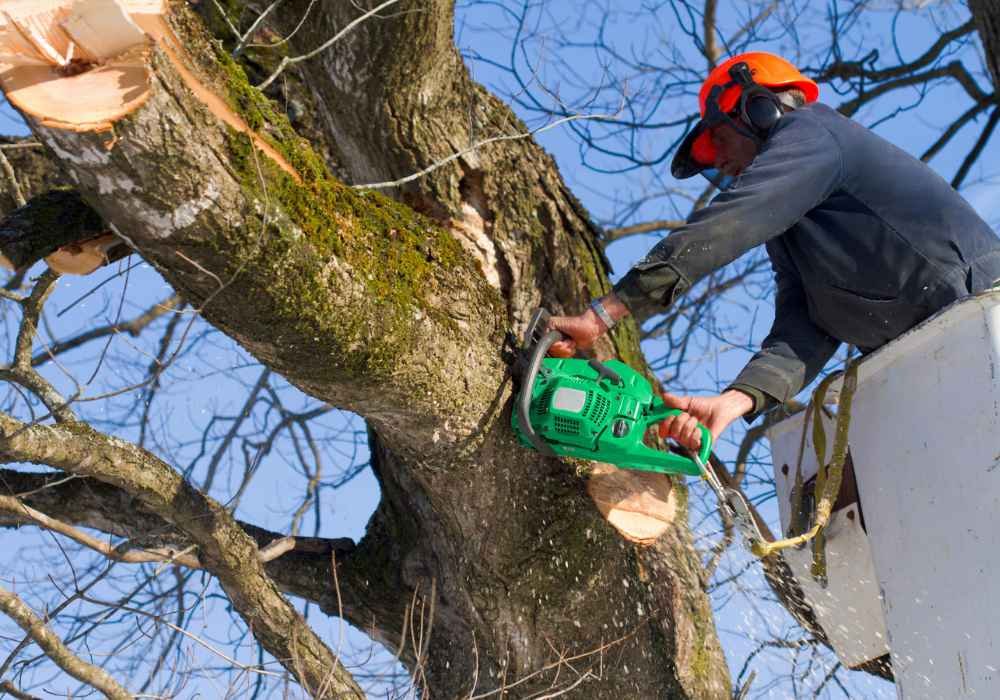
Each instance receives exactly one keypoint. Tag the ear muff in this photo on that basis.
(760, 109)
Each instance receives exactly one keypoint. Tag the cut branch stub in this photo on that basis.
(52, 52)
(640, 505)
(60, 227)
(82, 65)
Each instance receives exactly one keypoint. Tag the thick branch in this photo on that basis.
(223, 547)
(302, 571)
(45, 224)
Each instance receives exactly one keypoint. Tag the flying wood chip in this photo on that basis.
(55, 52)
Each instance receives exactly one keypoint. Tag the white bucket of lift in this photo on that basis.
(923, 574)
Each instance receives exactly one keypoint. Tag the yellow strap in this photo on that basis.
(830, 475)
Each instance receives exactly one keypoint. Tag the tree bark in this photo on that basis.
(401, 316)
(986, 14)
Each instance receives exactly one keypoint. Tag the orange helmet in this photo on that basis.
(756, 74)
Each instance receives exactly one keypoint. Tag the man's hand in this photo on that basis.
(581, 331)
(714, 412)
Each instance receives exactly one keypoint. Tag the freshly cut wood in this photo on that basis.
(75, 64)
(112, 93)
(103, 29)
(84, 257)
(640, 505)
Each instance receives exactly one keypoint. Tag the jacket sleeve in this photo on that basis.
(798, 167)
(794, 351)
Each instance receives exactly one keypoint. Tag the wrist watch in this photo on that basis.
(602, 313)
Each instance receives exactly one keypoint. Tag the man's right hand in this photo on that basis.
(580, 331)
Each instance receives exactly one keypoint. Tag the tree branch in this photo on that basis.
(616, 234)
(977, 148)
(46, 223)
(300, 566)
(133, 327)
(54, 648)
(224, 548)
(856, 69)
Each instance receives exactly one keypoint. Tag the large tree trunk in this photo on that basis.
(401, 317)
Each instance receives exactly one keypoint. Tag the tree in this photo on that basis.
(396, 308)
(362, 301)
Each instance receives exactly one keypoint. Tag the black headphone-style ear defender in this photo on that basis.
(759, 108)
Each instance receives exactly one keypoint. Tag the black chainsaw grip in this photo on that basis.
(604, 371)
(524, 405)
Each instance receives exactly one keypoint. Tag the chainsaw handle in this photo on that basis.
(524, 402)
(658, 412)
(604, 371)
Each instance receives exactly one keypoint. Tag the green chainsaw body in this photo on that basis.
(597, 411)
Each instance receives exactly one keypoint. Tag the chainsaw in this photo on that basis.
(601, 411)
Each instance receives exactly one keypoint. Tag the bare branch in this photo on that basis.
(485, 142)
(977, 148)
(856, 69)
(224, 548)
(616, 234)
(12, 180)
(711, 49)
(15, 507)
(54, 648)
(954, 128)
(133, 327)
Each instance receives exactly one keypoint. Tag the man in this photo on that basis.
(865, 240)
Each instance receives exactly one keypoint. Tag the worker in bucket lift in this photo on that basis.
(865, 240)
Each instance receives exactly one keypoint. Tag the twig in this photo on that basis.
(133, 328)
(977, 149)
(253, 28)
(495, 139)
(615, 234)
(12, 180)
(14, 506)
(11, 689)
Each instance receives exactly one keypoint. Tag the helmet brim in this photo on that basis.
(695, 153)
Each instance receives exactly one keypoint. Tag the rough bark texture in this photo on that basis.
(401, 317)
(986, 14)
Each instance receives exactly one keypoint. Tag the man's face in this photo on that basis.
(734, 151)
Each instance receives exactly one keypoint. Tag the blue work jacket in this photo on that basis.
(865, 241)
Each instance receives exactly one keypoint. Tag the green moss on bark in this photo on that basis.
(397, 256)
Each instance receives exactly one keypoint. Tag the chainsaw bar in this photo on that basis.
(735, 504)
